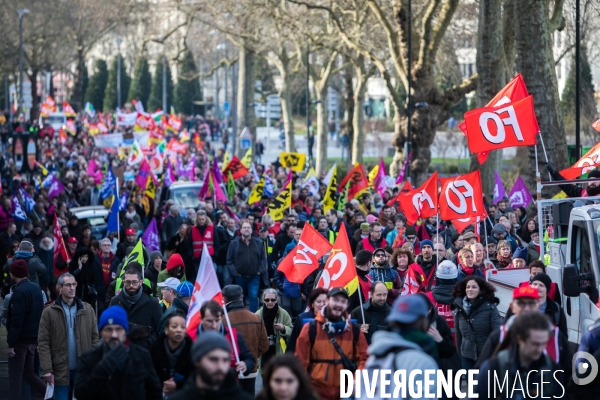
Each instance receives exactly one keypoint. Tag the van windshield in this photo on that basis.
(53, 119)
(186, 197)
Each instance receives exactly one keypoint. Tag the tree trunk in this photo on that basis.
(245, 106)
(286, 104)
(491, 65)
(535, 60)
(322, 131)
(349, 100)
(34, 113)
(358, 144)
(78, 90)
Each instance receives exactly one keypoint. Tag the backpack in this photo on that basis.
(384, 362)
(312, 334)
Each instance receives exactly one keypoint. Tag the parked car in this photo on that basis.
(184, 193)
(95, 217)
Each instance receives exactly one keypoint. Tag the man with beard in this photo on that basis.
(116, 369)
(143, 310)
(382, 272)
(427, 262)
(211, 354)
(374, 240)
(375, 311)
(316, 350)
(130, 236)
(323, 229)
(247, 264)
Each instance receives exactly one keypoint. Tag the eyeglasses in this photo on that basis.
(411, 237)
(379, 255)
(70, 285)
(270, 300)
(131, 283)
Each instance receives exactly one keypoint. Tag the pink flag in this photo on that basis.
(94, 171)
(499, 191)
(403, 171)
(205, 186)
(142, 177)
(379, 181)
(219, 195)
(169, 177)
(206, 288)
(150, 237)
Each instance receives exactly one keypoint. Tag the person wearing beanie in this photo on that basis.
(361, 232)
(411, 237)
(427, 261)
(538, 267)
(175, 269)
(143, 310)
(441, 295)
(501, 233)
(155, 267)
(519, 258)
(181, 303)
(105, 271)
(592, 188)
(213, 378)
(116, 369)
(22, 326)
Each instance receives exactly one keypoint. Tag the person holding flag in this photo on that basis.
(592, 189)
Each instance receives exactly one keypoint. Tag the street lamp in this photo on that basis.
(21, 12)
(118, 42)
(407, 149)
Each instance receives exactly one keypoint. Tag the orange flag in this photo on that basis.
(340, 270)
(421, 202)
(304, 258)
(238, 170)
(576, 172)
(358, 181)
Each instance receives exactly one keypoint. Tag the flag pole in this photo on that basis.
(235, 352)
(118, 212)
(437, 234)
(362, 311)
(545, 154)
(486, 236)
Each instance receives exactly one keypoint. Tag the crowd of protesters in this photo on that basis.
(95, 331)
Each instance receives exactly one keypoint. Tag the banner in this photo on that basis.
(519, 194)
(126, 119)
(421, 202)
(110, 140)
(59, 243)
(332, 192)
(339, 270)
(461, 197)
(150, 237)
(499, 191)
(56, 187)
(282, 202)
(357, 182)
(304, 258)
(257, 191)
(142, 176)
(294, 161)
(68, 110)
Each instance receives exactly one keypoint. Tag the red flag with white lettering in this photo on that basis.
(461, 197)
(592, 157)
(509, 125)
(421, 202)
(304, 258)
(340, 271)
(206, 288)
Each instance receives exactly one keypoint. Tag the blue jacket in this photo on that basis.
(385, 275)
(462, 275)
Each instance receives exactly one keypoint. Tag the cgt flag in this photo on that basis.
(340, 271)
(304, 258)
(282, 202)
(357, 181)
(294, 161)
(206, 288)
(461, 197)
(421, 202)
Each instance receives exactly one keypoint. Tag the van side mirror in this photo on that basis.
(572, 279)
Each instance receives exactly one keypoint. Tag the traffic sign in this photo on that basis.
(226, 109)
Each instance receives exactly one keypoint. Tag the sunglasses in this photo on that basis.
(411, 237)
(270, 300)
(379, 255)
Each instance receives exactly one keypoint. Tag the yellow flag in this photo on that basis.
(137, 254)
(561, 195)
(311, 172)
(247, 160)
(150, 191)
(330, 194)
(281, 203)
(294, 161)
(257, 192)
(373, 173)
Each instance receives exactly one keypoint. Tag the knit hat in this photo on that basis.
(208, 342)
(185, 289)
(544, 278)
(18, 269)
(594, 174)
(491, 239)
(520, 252)
(232, 292)
(114, 315)
(446, 270)
(175, 261)
(499, 229)
(154, 255)
(364, 226)
(427, 242)
(410, 231)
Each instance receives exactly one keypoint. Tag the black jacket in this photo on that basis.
(85, 276)
(554, 312)
(472, 330)
(245, 353)
(99, 278)
(183, 367)
(24, 313)
(374, 316)
(261, 262)
(37, 270)
(143, 315)
(229, 390)
(170, 227)
(120, 374)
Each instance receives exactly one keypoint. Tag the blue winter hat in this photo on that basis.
(185, 289)
(427, 242)
(114, 315)
(520, 252)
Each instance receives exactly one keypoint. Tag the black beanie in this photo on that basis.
(544, 278)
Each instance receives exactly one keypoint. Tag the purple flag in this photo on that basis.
(217, 171)
(205, 186)
(401, 174)
(499, 191)
(150, 237)
(519, 195)
(56, 187)
(142, 177)
(187, 171)
(169, 178)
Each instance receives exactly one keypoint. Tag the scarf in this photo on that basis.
(20, 254)
(173, 355)
(466, 305)
(421, 339)
(269, 316)
(467, 271)
(130, 215)
(504, 261)
(133, 299)
(361, 273)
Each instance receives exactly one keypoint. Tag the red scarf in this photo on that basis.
(467, 271)
(504, 261)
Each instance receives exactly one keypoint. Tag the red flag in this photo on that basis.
(59, 245)
(68, 110)
(238, 170)
(510, 125)
(576, 172)
(421, 202)
(592, 157)
(411, 283)
(358, 181)
(304, 259)
(340, 271)
(407, 187)
(206, 288)
(462, 224)
(461, 197)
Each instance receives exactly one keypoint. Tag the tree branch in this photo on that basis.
(444, 18)
(426, 35)
(457, 91)
(557, 21)
(564, 53)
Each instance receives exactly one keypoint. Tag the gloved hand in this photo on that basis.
(550, 168)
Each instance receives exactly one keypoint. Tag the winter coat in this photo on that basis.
(473, 330)
(85, 276)
(250, 326)
(555, 314)
(229, 390)
(117, 375)
(462, 275)
(261, 262)
(24, 313)
(283, 318)
(99, 278)
(171, 226)
(532, 253)
(390, 278)
(184, 365)
(5, 218)
(37, 270)
(53, 342)
(374, 317)
(145, 313)
(428, 268)
(225, 240)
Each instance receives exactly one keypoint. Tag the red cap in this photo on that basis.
(130, 231)
(72, 239)
(526, 291)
